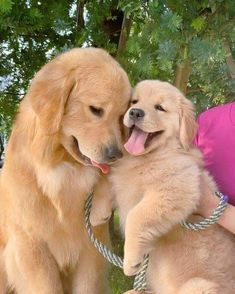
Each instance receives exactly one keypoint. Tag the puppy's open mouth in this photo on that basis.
(88, 161)
(139, 140)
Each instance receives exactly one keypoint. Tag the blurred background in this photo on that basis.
(188, 43)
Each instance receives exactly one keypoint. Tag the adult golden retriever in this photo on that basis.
(160, 186)
(68, 123)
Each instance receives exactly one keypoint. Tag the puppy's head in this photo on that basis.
(81, 96)
(158, 112)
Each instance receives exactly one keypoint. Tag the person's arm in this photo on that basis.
(227, 219)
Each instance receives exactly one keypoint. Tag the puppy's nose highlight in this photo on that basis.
(136, 114)
(112, 153)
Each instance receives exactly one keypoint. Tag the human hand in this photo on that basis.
(208, 202)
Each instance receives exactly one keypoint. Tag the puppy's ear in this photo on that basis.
(188, 125)
(48, 94)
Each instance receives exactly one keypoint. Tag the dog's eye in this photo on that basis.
(134, 101)
(97, 111)
(159, 107)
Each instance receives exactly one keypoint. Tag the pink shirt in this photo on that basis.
(216, 140)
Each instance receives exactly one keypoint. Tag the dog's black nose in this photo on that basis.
(112, 153)
(136, 114)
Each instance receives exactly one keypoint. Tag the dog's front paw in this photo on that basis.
(135, 247)
(132, 263)
(101, 211)
(97, 218)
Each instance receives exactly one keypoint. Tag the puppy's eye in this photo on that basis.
(159, 107)
(97, 111)
(134, 101)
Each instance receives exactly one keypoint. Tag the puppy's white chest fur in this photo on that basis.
(134, 177)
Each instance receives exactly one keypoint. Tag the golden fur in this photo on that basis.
(161, 187)
(70, 115)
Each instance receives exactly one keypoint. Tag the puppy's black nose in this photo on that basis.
(136, 114)
(112, 153)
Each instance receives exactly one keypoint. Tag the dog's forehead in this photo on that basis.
(103, 99)
(154, 85)
(157, 95)
(102, 89)
(100, 96)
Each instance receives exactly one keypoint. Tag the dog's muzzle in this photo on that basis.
(112, 153)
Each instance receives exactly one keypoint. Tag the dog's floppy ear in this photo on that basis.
(48, 94)
(188, 125)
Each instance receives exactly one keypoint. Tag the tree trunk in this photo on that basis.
(80, 23)
(125, 32)
(80, 11)
(229, 59)
(113, 26)
(183, 71)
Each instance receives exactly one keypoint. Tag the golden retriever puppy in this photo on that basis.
(160, 186)
(68, 125)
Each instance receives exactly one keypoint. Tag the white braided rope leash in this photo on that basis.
(140, 279)
(212, 219)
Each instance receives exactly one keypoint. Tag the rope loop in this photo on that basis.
(212, 219)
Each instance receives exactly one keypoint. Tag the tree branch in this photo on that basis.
(12, 93)
(183, 71)
(80, 12)
(125, 32)
(194, 91)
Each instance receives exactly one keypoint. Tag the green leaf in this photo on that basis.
(198, 23)
(167, 50)
(5, 6)
(171, 20)
(36, 14)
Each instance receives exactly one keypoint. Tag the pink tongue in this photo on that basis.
(103, 166)
(135, 144)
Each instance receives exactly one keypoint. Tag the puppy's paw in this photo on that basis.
(132, 264)
(97, 218)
